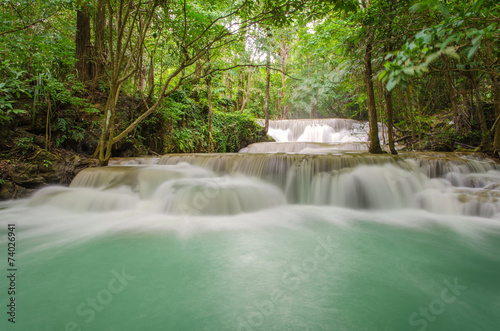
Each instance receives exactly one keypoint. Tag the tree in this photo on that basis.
(268, 81)
(83, 45)
(195, 34)
(99, 55)
(122, 62)
(462, 31)
(370, 95)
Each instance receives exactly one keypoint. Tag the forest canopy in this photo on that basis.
(191, 76)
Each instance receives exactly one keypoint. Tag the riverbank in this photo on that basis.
(21, 175)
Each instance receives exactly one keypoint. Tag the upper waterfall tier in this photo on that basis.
(328, 130)
(304, 147)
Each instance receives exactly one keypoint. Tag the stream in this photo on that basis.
(307, 233)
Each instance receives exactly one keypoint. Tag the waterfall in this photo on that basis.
(328, 130)
(306, 233)
(466, 183)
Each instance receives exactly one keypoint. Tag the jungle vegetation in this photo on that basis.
(111, 77)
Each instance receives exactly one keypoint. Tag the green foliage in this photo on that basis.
(25, 144)
(50, 89)
(462, 29)
(183, 123)
(232, 130)
(11, 89)
(69, 130)
(186, 140)
(319, 46)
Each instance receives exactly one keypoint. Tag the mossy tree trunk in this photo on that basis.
(390, 121)
(370, 99)
(99, 57)
(83, 46)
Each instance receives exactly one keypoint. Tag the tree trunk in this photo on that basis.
(284, 112)
(83, 46)
(105, 142)
(372, 110)
(451, 91)
(151, 74)
(496, 101)
(410, 115)
(230, 90)
(268, 84)
(485, 133)
(381, 106)
(285, 52)
(247, 94)
(209, 96)
(241, 88)
(495, 86)
(198, 72)
(99, 57)
(390, 122)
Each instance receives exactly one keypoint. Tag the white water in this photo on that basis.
(210, 237)
(330, 130)
(223, 184)
(316, 136)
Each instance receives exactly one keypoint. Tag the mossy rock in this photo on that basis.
(10, 190)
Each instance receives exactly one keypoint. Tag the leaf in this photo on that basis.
(431, 57)
(472, 32)
(443, 9)
(391, 84)
(472, 51)
(450, 51)
(19, 111)
(415, 7)
(409, 71)
(448, 40)
(477, 39)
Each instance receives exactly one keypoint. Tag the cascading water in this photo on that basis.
(316, 136)
(304, 236)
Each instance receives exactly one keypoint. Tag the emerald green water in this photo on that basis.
(287, 268)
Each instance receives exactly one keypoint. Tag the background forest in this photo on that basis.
(109, 78)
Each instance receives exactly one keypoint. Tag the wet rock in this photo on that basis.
(10, 190)
(42, 168)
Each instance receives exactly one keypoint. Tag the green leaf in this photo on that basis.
(450, 51)
(472, 51)
(391, 84)
(382, 75)
(472, 32)
(477, 39)
(409, 71)
(448, 40)
(443, 9)
(431, 57)
(19, 111)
